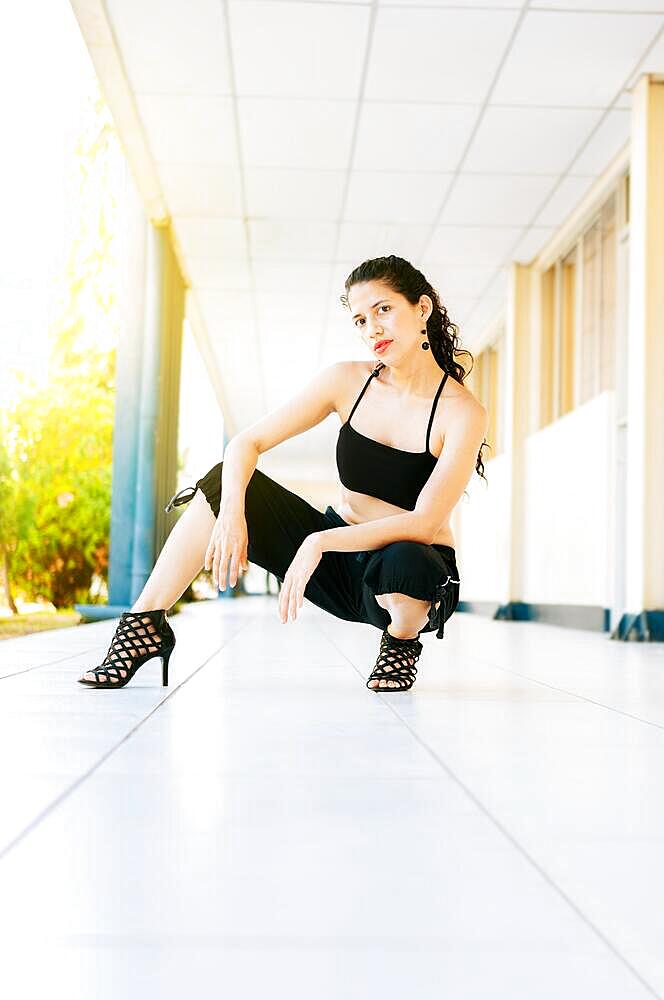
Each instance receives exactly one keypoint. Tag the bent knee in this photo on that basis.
(403, 553)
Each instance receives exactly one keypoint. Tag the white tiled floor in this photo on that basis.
(266, 826)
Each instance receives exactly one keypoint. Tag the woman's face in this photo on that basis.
(380, 314)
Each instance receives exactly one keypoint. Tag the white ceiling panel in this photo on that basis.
(184, 129)
(435, 54)
(497, 287)
(485, 311)
(211, 237)
(425, 137)
(394, 196)
(337, 348)
(344, 2)
(502, 4)
(652, 61)
(322, 58)
(366, 239)
(340, 324)
(222, 275)
(239, 363)
(498, 200)
(340, 269)
(609, 139)
(553, 51)
(299, 313)
(280, 193)
(169, 47)
(458, 309)
(297, 348)
(626, 6)
(562, 201)
(285, 372)
(539, 140)
(531, 243)
(228, 310)
(339, 315)
(295, 133)
(292, 276)
(470, 245)
(201, 189)
(278, 239)
(466, 282)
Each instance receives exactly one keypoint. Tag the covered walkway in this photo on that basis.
(267, 826)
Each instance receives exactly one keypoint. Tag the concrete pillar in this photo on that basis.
(146, 414)
(145, 514)
(645, 360)
(129, 362)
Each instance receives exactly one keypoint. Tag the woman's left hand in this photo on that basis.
(300, 570)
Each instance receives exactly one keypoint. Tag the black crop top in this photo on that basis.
(378, 470)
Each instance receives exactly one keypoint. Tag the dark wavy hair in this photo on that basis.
(402, 277)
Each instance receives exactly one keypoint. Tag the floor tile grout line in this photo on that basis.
(84, 777)
(573, 694)
(408, 944)
(50, 663)
(506, 833)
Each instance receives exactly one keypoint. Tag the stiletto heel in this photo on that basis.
(142, 633)
(164, 666)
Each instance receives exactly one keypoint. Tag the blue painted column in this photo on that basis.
(143, 555)
(146, 415)
(128, 378)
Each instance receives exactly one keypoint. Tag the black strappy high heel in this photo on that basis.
(134, 632)
(394, 662)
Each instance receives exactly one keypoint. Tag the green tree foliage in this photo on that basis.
(56, 445)
(62, 445)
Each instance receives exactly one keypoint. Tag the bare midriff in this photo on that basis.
(357, 508)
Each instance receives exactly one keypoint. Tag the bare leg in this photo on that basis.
(179, 562)
(181, 559)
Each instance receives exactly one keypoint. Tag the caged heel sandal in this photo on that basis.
(139, 636)
(396, 662)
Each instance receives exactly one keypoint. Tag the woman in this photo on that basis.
(386, 557)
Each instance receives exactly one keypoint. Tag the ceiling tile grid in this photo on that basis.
(293, 140)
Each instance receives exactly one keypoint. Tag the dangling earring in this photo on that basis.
(425, 344)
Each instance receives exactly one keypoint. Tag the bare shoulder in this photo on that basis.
(465, 410)
(349, 377)
(463, 415)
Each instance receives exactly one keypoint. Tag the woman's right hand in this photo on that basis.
(227, 550)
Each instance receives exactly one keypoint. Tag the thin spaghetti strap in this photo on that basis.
(374, 372)
(433, 408)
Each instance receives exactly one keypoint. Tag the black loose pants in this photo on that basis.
(343, 583)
